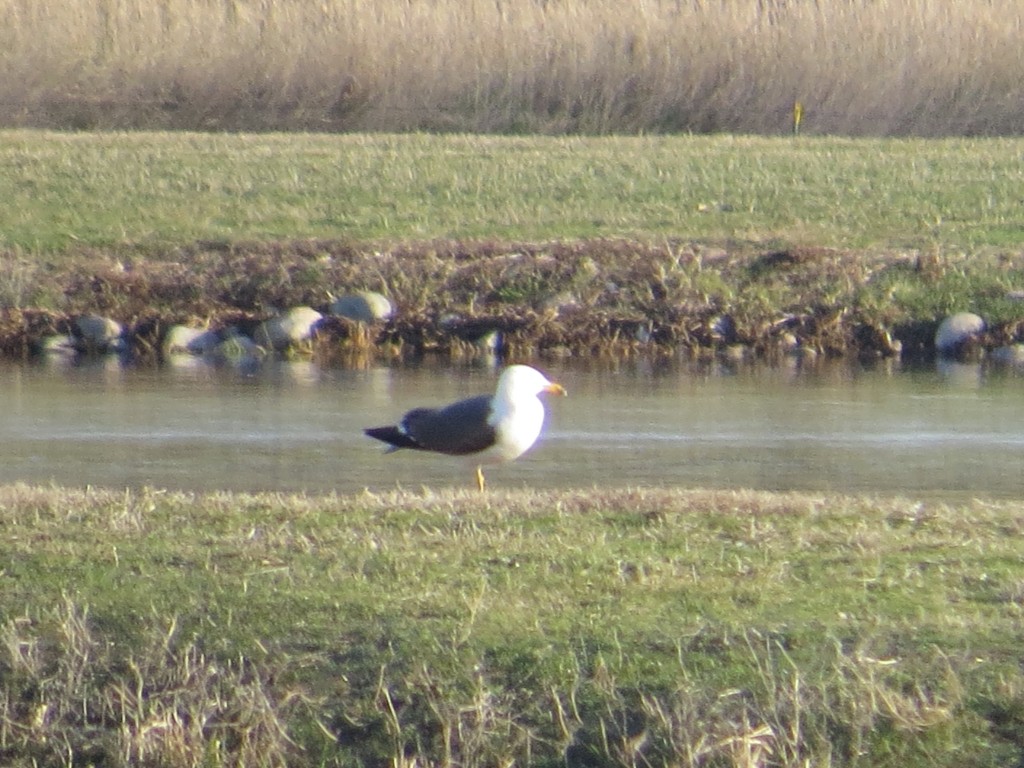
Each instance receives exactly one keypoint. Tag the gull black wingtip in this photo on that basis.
(392, 435)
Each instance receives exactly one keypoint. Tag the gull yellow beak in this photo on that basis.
(556, 389)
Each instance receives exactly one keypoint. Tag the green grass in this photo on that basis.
(836, 242)
(599, 628)
(63, 191)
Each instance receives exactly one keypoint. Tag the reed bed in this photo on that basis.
(593, 66)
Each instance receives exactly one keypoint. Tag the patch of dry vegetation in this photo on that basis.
(588, 298)
(622, 628)
(870, 68)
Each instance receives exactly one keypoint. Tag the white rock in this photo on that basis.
(96, 334)
(1012, 354)
(182, 340)
(293, 327)
(58, 345)
(365, 307)
(956, 331)
(236, 349)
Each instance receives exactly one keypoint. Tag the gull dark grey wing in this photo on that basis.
(457, 429)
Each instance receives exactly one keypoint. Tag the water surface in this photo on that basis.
(954, 432)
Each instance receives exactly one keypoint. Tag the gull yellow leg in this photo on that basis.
(480, 478)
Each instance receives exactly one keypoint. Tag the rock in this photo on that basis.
(722, 329)
(58, 345)
(790, 343)
(205, 342)
(643, 333)
(283, 331)
(958, 334)
(1011, 354)
(236, 349)
(95, 334)
(182, 340)
(364, 307)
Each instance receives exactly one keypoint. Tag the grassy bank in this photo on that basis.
(887, 67)
(168, 189)
(566, 245)
(581, 627)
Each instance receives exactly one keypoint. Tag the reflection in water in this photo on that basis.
(941, 431)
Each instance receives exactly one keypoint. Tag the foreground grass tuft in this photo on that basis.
(636, 627)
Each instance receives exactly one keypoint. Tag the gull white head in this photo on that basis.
(521, 381)
(517, 413)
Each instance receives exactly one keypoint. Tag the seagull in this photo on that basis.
(487, 429)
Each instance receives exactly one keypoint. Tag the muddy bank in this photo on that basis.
(521, 300)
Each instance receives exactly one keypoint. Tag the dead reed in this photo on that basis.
(887, 67)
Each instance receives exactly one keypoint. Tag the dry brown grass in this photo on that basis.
(884, 67)
(594, 298)
(90, 701)
(615, 298)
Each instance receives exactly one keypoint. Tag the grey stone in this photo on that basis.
(364, 307)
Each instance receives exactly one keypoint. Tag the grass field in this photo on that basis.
(160, 189)
(645, 627)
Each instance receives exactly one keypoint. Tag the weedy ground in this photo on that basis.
(583, 298)
(626, 628)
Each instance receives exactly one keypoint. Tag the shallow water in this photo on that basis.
(953, 431)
